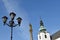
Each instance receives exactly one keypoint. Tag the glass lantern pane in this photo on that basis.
(4, 19)
(12, 16)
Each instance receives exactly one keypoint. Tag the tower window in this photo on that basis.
(45, 36)
(51, 37)
(40, 37)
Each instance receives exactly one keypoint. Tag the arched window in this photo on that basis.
(45, 36)
(40, 37)
(51, 37)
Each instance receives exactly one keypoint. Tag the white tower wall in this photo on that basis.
(44, 36)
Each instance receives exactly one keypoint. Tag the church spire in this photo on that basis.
(41, 23)
(42, 29)
(43, 34)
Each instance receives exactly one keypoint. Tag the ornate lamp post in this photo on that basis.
(11, 22)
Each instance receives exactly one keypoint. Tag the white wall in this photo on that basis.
(42, 35)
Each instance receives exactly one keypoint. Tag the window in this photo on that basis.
(40, 37)
(45, 36)
(51, 37)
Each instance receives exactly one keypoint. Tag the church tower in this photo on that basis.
(43, 34)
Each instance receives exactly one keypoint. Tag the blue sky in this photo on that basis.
(30, 11)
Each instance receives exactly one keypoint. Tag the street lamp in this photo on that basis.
(19, 20)
(4, 19)
(12, 15)
(11, 22)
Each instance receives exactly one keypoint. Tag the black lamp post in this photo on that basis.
(11, 22)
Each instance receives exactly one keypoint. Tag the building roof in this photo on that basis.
(56, 35)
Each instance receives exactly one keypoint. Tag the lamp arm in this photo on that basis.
(15, 25)
(7, 24)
